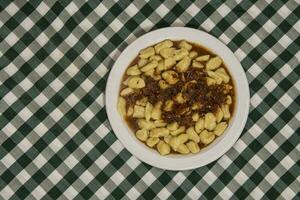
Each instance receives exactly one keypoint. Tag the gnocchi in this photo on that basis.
(169, 63)
(163, 84)
(135, 82)
(159, 123)
(199, 126)
(184, 64)
(219, 115)
(130, 111)
(167, 139)
(151, 142)
(215, 76)
(207, 137)
(202, 58)
(163, 148)
(142, 62)
(150, 66)
(155, 57)
(210, 81)
(176, 97)
(213, 63)
(179, 98)
(138, 111)
(171, 77)
(143, 124)
(193, 54)
(193, 147)
(126, 91)
(177, 131)
(163, 45)
(142, 134)
(225, 110)
(195, 117)
(197, 64)
(210, 121)
(183, 138)
(122, 106)
(174, 143)
(192, 135)
(228, 100)
(168, 105)
(156, 111)
(148, 111)
(182, 148)
(222, 73)
(173, 126)
(180, 53)
(160, 66)
(184, 44)
(159, 132)
(142, 102)
(167, 52)
(220, 128)
(146, 53)
(133, 71)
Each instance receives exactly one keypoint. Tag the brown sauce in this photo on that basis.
(192, 85)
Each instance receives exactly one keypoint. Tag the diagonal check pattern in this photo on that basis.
(56, 141)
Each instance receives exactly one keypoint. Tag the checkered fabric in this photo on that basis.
(56, 141)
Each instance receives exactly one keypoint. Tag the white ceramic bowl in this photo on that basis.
(178, 162)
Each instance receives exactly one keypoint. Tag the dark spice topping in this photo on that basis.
(194, 88)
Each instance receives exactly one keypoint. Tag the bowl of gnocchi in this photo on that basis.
(177, 98)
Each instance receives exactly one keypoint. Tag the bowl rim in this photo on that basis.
(210, 153)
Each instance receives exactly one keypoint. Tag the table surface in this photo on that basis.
(56, 141)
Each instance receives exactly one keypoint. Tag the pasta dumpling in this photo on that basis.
(144, 124)
(159, 132)
(180, 53)
(193, 147)
(126, 91)
(167, 52)
(199, 126)
(207, 137)
(146, 53)
(210, 121)
(171, 77)
(214, 63)
(169, 63)
(156, 111)
(202, 58)
(184, 44)
(133, 71)
(163, 45)
(193, 54)
(220, 128)
(148, 111)
(138, 111)
(163, 148)
(122, 106)
(182, 148)
(151, 142)
(173, 126)
(135, 82)
(174, 143)
(142, 134)
(183, 138)
(181, 129)
(150, 66)
(184, 64)
(192, 135)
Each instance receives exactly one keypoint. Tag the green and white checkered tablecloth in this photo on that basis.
(56, 141)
